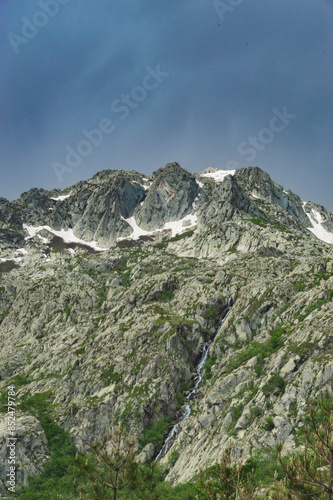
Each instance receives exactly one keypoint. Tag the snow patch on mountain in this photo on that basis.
(137, 230)
(18, 256)
(218, 175)
(142, 185)
(66, 234)
(60, 198)
(318, 230)
(177, 227)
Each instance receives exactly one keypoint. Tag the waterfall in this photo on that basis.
(205, 352)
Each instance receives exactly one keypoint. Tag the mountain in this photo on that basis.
(119, 293)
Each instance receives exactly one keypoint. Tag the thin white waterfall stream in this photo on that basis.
(205, 352)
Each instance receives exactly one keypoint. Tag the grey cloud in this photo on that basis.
(225, 79)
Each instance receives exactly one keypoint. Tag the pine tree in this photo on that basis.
(229, 480)
(113, 468)
(309, 473)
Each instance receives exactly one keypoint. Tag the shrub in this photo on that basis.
(155, 433)
(180, 400)
(237, 411)
(58, 474)
(109, 375)
(274, 383)
(258, 222)
(20, 380)
(167, 295)
(255, 348)
(173, 457)
(208, 366)
(268, 424)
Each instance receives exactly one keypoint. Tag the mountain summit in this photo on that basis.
(195, 309)
(242, 209)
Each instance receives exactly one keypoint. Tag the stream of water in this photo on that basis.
(205, 352)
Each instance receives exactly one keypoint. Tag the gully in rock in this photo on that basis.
(205, 352)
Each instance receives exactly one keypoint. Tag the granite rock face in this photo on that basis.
(113, 327)
(170, 197)
(98, 209)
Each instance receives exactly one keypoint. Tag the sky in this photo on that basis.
(92, 85)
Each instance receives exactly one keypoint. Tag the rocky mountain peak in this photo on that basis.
(170, 197)
(198, 304)
(117, 205)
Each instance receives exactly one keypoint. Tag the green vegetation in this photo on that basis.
(19, 380)
(309, 472)
(181, 236)
(258, 222)
(155, 433)
(255, 412)
(81, 350)
(3, 401)
(214, 312)
(173, 457)
(41, 335)
(268, 424)
(178, 237)
(109, 375)
(316, 305)
(300, 285)
(96, 476)
(208, 366)
(97, 321)
(325, 400)
(321, 275)
(180, 400)
(101, 296)
(185, 342)
(274, 384)
(59, 473)
(124, 272)
(237, 412)
(303, 350)
(6, 267)
(266, 466)
(255, 348)
(5, 313)
(167, 295)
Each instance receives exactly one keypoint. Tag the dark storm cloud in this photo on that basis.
(225, 78)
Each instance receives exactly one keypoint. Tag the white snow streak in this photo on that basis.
(177, 227)
(60, 198)
(318, 230)
(142, 185)
(137, 231)
(66, 234)
(219, 175)
(18, 256)
(44, 240)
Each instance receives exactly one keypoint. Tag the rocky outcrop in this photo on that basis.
(170, 197)
(30, 450)
(116, 335)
